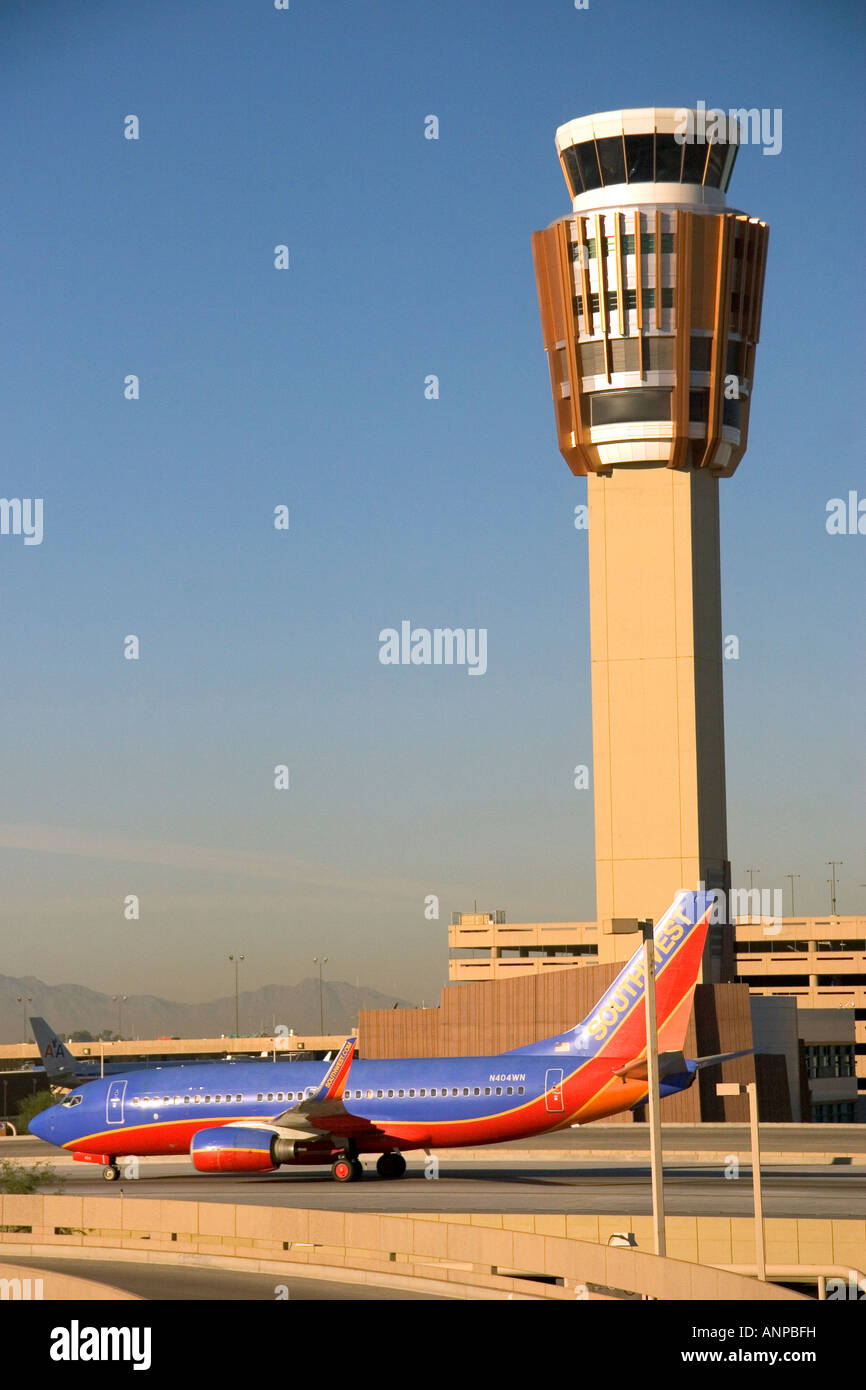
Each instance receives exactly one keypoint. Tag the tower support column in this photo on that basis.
(657, 706)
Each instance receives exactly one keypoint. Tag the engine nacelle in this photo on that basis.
(300, 1151)
(233, 1149)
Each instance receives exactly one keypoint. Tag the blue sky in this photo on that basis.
(306, 387)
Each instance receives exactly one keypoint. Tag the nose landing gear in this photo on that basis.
(111, 1173)
(347, 1169)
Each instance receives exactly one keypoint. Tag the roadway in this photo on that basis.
(170, 1283)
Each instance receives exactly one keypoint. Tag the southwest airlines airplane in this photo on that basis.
(243, 1117)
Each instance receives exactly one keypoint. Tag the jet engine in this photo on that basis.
(241, 1149)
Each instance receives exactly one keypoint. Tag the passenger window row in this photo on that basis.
(412, 1092)
(188, 1100)
(408, 1092)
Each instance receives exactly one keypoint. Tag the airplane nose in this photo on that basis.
(42, 1125)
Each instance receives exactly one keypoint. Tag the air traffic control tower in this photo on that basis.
(650, 295)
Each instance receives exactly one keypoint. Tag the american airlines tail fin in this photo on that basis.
(58, 1061)
(615, 1027)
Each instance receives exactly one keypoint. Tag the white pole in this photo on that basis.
(652, 1052)
(760, 1249)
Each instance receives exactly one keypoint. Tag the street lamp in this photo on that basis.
(738, 1088)
(24, 1000)
(833, 865)
(320, 961)
(119, 1000)
(237, 960)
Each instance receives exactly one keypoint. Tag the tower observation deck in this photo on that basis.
(650, 295)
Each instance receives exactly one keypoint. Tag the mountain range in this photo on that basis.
(73, 1008)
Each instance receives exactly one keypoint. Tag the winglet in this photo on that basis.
(337, 1074)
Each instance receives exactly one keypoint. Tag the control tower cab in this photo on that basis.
(650, 294)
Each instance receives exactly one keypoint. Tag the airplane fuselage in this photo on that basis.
(416, 1103)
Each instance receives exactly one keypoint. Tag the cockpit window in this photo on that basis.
(72, 1100)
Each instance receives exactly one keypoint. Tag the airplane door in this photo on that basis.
(553, 1089)
(114, 1103)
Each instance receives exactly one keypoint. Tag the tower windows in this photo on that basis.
(699, 406)
(639, 156)
(625, 353)
(642, 403)
(669, 159)
(591, 359)
(694, 163)
(658, 354)
(647, 158)
(700, 353)
(611, 159)
(587, 163)
(649, 299)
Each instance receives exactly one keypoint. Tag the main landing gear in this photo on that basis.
(111, 1173)
(391, 1165)
(347, 1167)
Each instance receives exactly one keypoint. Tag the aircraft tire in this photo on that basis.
(343, 1170)
(391, 1165)
(111, 1173)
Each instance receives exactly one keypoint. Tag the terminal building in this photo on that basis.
(650, 291)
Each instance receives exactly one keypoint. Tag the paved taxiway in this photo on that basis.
(576, 1186)
(604, 1139)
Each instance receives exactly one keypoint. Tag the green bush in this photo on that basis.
(26, 1177)
(34, 1105)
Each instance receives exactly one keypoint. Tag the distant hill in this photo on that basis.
(73, 1008)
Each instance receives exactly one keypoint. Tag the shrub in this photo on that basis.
(34, 1105)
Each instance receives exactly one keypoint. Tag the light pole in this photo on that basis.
(833, 865)
(624, 924)
(320, 961)
(237, 960)
(119, 1000)
(24, 1000)
(738, 1088)
(658, 1191)
(792, 877)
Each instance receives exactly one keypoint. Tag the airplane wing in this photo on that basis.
(323, 1112)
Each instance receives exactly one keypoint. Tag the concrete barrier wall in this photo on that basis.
(481, 1251)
